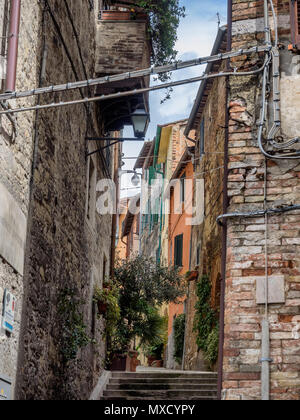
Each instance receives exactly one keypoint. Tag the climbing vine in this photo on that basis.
(212, 346)
(110, 297)
(73, 331)
(205, 324)
(179, 331)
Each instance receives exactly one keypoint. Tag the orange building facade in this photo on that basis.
(180, 231)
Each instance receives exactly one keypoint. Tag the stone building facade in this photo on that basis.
(54, 245)
(208, 121)
(16, 151)
(68, 244)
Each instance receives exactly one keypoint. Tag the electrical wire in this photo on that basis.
(274, 58)
(263, 117)
(134, 74)
(258, 213)
(132, 92)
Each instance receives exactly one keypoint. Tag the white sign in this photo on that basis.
(9, 308)
(12, 230)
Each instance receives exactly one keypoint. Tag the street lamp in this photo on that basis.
(135, 180)
(140, 121)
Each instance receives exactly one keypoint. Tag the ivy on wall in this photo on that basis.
(206, 323)
(73, 333)
(179, 331)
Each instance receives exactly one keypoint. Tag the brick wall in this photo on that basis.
(246, 237)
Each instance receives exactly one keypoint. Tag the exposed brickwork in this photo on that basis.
(246, 243)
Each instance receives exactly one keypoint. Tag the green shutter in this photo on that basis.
(178, 251)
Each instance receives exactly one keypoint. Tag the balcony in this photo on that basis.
(122, 45)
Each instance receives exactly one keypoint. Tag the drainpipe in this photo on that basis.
(13, 42)
(225, 207)
(265, 332)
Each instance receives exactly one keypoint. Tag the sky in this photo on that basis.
(196, 36)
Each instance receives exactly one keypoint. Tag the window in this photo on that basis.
(91, 194)
(198, 256)
(295, 23)
(158, 255)
(202, 137)
(178, 251)
(108, 155)
(104, 268)
(182, 188)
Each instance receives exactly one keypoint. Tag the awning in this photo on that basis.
(164, 144)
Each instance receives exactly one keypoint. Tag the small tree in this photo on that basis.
(144, 285)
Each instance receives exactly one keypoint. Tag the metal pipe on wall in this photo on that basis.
(13, 43)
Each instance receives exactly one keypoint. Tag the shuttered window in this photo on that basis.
(178, 251)
(295, 23)
(182, 188)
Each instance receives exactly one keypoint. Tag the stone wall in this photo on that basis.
(16, 145)
(246, 237)
(122, 46)
(68, 246)
(207, 236)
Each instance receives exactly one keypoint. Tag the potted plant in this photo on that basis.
(192, 275)
(155, 355)
(107, 301)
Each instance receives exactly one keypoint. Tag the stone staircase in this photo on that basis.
(162, 386)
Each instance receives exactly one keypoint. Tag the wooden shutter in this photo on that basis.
(182, 188)
(178, 251)
(295, 23)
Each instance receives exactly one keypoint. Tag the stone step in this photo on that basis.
(167, 375)
(192, 398)
(170, 386)
(161, 394)
(199, 381)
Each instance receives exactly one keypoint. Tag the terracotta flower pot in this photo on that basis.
(158, 363)
(132, 361)
(193, 276)
(118, 363)
(151, 360)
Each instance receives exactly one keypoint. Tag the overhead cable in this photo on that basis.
(134, 92)
(134, 74)
(258, 213)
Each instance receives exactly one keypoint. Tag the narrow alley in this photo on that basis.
(150, 200)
